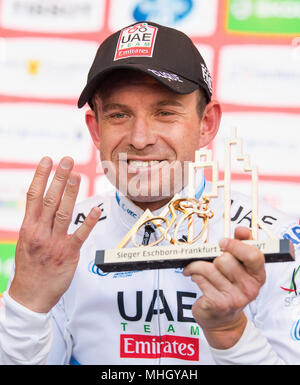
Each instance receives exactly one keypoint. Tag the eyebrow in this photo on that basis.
(113, 106)
(168, 102)
(163, 103)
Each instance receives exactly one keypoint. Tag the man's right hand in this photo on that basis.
(46, 255)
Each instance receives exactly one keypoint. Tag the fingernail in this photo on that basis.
(95, 212)
(73, 180)
(223, 243)
(66, 163)
(45, 162)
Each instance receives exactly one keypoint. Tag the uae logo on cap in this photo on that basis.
(137, 40)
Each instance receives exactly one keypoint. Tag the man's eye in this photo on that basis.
(118, 115)
(165, 113)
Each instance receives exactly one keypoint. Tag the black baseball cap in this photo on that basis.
(164, 53)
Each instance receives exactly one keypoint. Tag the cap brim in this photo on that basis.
(172, 81)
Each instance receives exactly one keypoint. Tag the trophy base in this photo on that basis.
(165, 257)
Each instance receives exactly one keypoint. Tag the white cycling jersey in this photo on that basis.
(145, 317)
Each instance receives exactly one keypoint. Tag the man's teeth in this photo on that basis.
(141, 163)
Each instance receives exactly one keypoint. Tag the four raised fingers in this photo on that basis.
(55, 209)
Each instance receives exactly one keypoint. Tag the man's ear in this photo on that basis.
(210, 122)
(91, 122)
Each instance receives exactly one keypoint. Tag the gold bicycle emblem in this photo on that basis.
(190, 208)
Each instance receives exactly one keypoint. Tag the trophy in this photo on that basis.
(185, 210)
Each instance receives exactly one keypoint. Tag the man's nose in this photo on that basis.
(142, 133)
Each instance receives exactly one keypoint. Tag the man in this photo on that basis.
(150, 111)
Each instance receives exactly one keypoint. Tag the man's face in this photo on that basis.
(146, 136)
